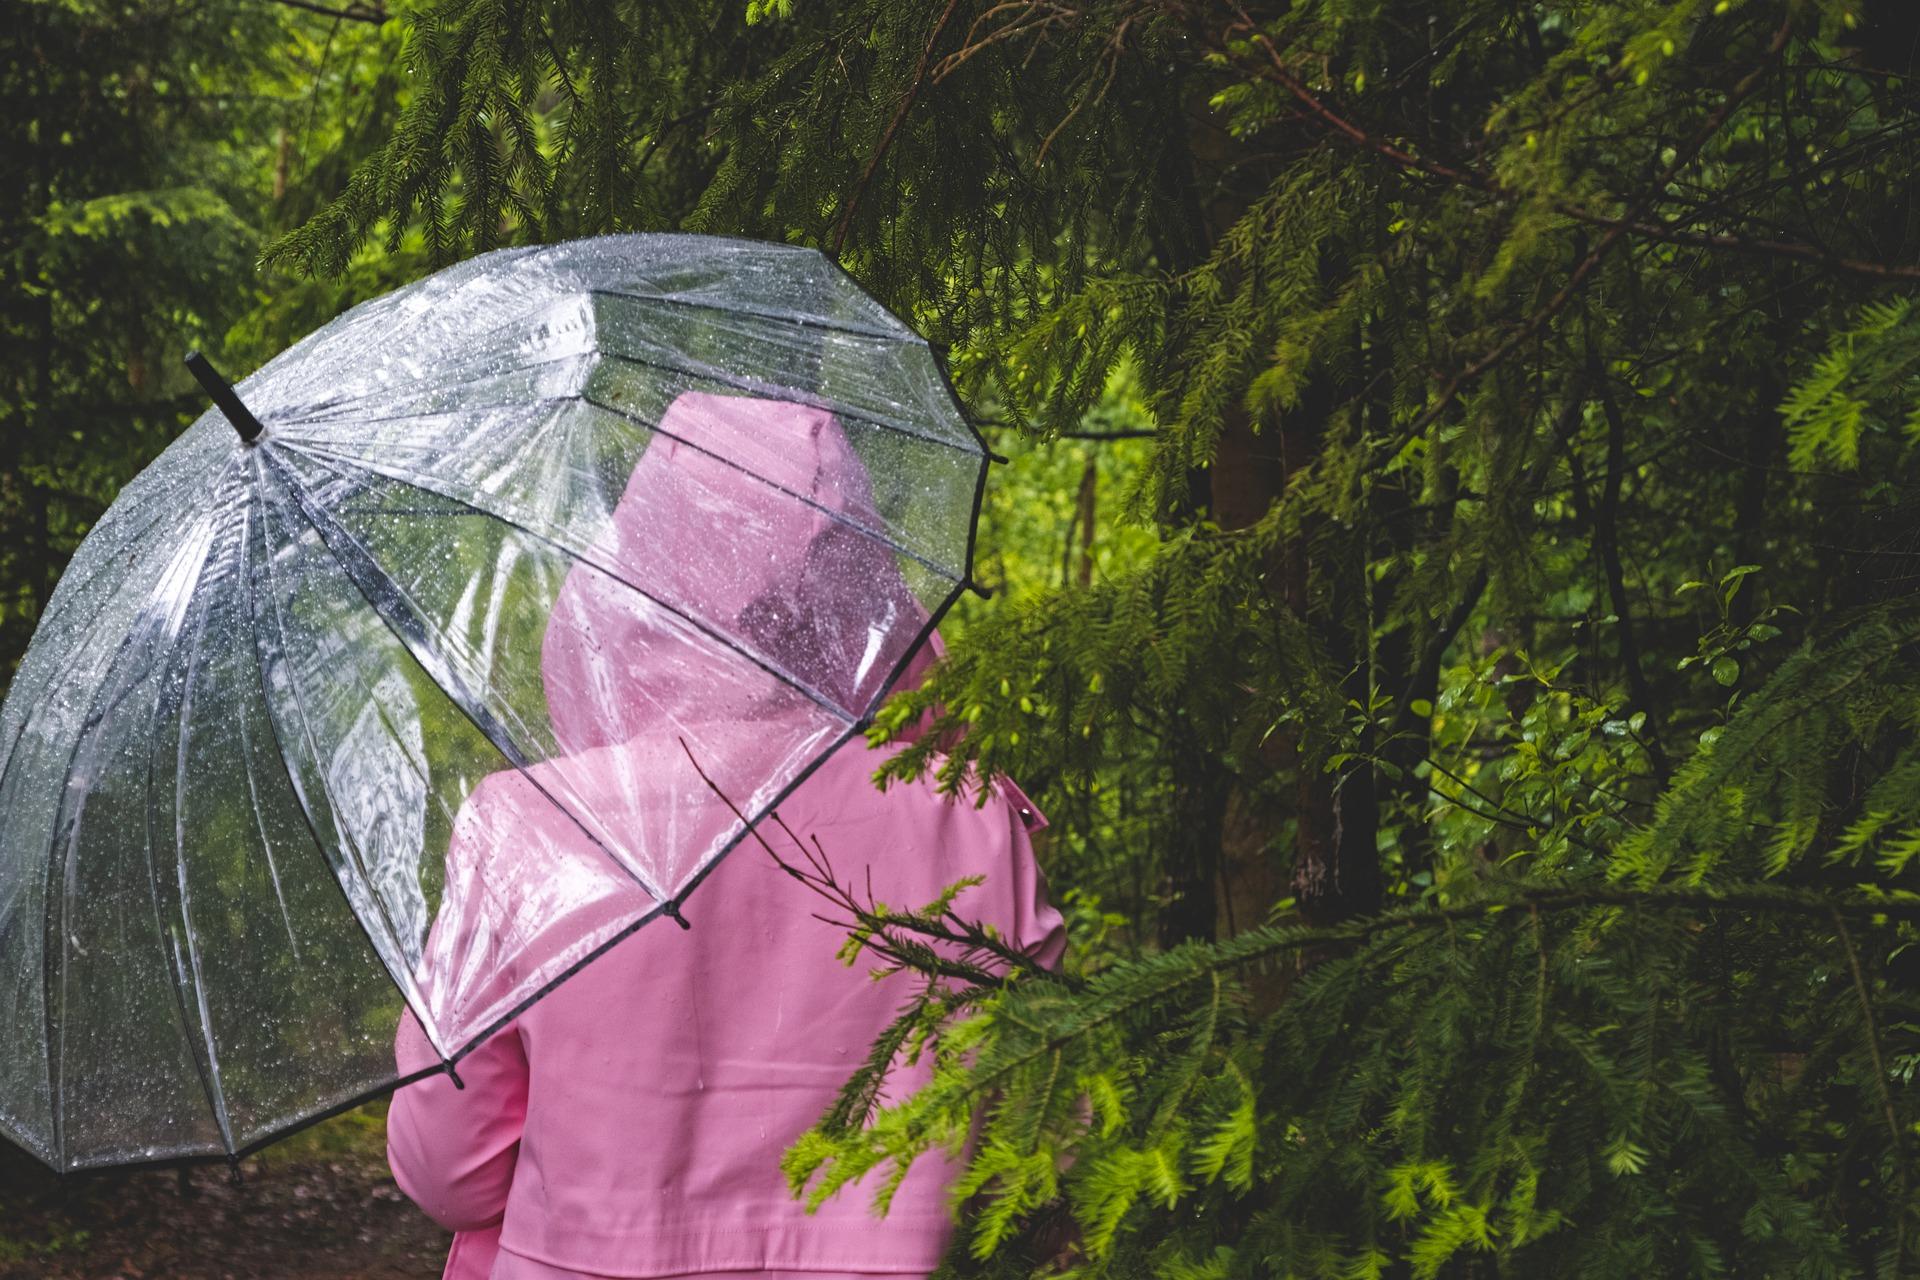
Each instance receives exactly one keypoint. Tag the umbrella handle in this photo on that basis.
(225, 398)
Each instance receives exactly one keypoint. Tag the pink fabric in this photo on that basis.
(630, 1123)
(744, 517)
(752, 516)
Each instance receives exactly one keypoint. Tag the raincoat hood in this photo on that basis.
(802, 582)
(755, 517)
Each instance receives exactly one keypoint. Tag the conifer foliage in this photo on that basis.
(1489, 805)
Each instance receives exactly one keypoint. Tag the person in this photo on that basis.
(630, 1122)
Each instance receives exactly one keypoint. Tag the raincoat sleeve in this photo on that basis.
(453, 1150)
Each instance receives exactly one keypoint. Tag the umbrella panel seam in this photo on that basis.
(905, 337)
(415, 480)
(502, 742)
(403, 984)
(327, 448)
(206, 1068)
(332, 412)
(98, 710)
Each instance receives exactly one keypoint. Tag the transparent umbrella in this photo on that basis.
(512, 549)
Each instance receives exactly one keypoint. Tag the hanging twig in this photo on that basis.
(1032, 16)
(1538, 320)
(1880, 1090)
(877, 930)
(1116, 48)
(1606, 531)
(1506, 816)
(668, 126)
(893, 127)
(1635, 223)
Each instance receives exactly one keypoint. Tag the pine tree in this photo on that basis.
(137, 182)
(1524, 638)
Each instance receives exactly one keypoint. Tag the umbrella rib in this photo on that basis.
(207, 1068)
(403, 982)
(260, 821)
(447, 375)
(314, 415)
(60, 865)
(423, 483)
(700, 369)
(371, 581)
(907, 338)
(426, 783)
(328, 412)
(162, 511)
(54, 909)
(838, 517)
(92, 622)
(325, 449)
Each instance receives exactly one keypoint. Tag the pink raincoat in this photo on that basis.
(631, 1122)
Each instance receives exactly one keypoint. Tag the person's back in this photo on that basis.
(631, 1123)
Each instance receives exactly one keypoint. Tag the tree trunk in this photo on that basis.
(1335, 869)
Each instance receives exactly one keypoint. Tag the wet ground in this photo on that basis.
(319, 1207)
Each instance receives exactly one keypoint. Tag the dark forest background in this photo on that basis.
(1456, 576)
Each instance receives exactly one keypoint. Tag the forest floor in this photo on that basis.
(320, 1206)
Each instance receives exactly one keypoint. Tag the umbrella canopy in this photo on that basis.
(512, 544)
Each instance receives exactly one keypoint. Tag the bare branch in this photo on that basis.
(1636, 224)
(900, 939)
(1879, 1080)
(893, 127)
(375, 14)
(1683, 156)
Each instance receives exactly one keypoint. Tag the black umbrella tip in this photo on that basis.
(224, 397)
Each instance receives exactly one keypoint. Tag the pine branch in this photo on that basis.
(1637, 224)
(1576, 278)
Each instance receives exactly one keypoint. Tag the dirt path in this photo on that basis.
(321, 1207)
